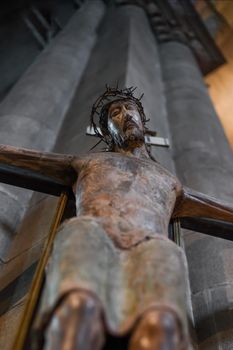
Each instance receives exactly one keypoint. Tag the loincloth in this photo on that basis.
(126, 282)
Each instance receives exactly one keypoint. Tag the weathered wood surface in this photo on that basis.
(158, 329)
(62, 170)
(196, 204)
(53, 173)
(77, 323)
(43, 172)
(127, 282)
(132, 198)
(211, 227)
(117, 249)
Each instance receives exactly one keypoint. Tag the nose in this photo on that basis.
(126, 114)
(124, 110)
(123, 115)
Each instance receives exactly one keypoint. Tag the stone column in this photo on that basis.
(31, 116)
(203, 161)
(125, 53)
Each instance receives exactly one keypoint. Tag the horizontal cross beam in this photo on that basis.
(211, 227)
(149, 140)
(31, 180)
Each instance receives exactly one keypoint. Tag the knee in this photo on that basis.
(77, 303)
(157, 330)
(77, 318)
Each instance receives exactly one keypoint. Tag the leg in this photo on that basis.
(157, 330)
(76, 324)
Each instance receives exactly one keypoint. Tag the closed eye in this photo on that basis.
(115, 113)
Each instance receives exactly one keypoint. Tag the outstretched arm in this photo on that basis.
(195, 204)
(41, 171)
(199, 212)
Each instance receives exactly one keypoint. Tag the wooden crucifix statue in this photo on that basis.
(113, 269)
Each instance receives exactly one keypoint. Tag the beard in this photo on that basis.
(130, 136)
(134, 135)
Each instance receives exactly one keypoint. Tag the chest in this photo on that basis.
(126, 179)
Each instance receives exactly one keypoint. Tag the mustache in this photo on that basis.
(122, 139)
(129, 123)
(122, 135)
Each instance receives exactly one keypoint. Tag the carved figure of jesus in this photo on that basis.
(113, 268)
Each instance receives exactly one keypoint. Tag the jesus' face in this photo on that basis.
(125, 124)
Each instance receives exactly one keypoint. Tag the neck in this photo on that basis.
(138, 152)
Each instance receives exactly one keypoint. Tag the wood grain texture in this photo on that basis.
(133, 198)
(44, 172)
(117, 249)
(76, 324)
(194, 204)
(126, 282)
(211, 227)
(158, 329)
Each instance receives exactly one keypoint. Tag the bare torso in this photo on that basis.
(132, 198)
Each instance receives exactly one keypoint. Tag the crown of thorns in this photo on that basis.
(111, 95)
